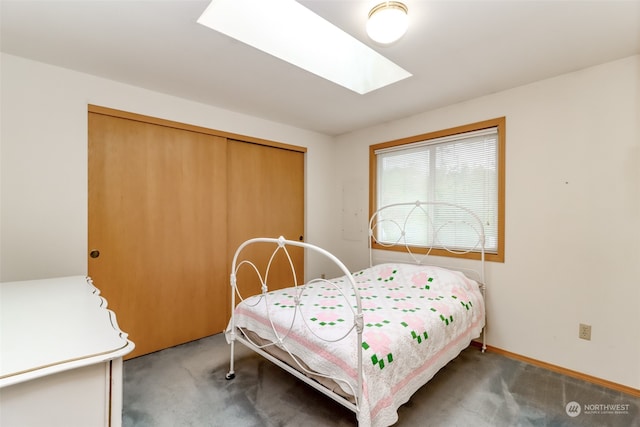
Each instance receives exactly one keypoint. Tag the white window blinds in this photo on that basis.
(460, 169)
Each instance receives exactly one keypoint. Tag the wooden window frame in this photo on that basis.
(500, 124)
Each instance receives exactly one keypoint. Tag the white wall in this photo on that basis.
(572, 215)
(43, 163)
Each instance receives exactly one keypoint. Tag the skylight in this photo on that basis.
(293, 33)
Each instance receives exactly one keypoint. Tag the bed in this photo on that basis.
(368, 339)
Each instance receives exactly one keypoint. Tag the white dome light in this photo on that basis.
(387, 22)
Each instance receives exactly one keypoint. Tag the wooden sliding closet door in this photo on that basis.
(266, 199)
(158, 217)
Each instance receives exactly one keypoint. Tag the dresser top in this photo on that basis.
(51, 325)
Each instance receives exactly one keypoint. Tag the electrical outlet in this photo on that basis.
(584, 332)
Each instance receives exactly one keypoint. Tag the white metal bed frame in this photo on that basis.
(281, 244)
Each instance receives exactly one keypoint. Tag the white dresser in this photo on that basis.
(60, 355)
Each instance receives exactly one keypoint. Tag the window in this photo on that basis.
(462, 165)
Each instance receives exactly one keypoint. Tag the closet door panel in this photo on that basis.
(266, 199)
(157, 216)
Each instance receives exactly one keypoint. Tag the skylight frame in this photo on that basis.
(291, 32)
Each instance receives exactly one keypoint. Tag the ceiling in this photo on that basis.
(456, 50)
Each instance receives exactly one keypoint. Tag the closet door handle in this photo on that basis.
(94, 253)
(301, 238)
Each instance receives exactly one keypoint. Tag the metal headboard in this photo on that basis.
(401, 224)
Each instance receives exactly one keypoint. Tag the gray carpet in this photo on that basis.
(185, 386)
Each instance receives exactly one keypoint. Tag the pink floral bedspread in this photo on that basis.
(416, 319)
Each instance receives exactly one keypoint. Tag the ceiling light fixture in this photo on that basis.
(388, 22)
